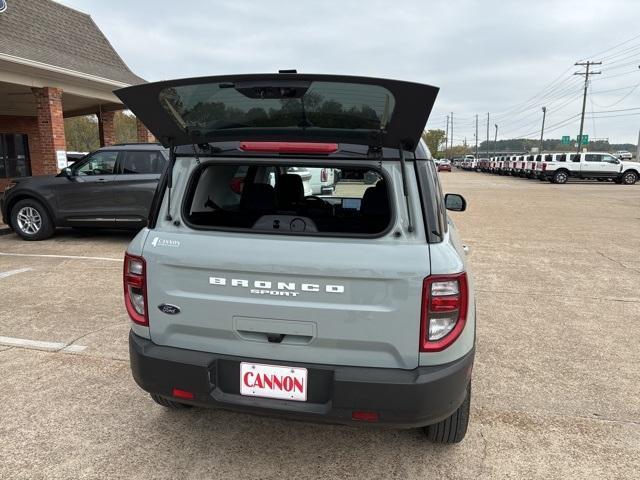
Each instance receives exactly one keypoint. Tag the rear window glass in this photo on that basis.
(204, 108)
(285, 199)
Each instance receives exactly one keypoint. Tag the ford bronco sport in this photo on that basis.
(245, 293)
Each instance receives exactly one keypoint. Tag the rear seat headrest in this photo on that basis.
(290, 190)
(258, 197)
(375, 200)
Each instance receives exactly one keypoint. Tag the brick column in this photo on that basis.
(50, 130)
(144, 135)
(106, 128)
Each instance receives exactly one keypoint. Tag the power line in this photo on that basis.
(613, 89)
(537, 94)
(610, 48)
(556, 109)
(605, 77)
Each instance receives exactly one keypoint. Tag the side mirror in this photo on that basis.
(455, 202)
(67, 172)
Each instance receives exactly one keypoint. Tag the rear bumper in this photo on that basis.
(402, 398)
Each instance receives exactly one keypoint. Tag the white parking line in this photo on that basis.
(72, 257)
(8, 273)
(40, 345)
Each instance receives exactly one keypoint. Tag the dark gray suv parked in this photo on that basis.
(110, 188)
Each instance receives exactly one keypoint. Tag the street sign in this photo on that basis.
(585, 139)
(566, 140)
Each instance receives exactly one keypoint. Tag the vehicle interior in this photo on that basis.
(272, 198)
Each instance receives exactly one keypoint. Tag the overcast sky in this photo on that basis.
(486, 56)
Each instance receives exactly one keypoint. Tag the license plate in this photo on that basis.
(270, 381)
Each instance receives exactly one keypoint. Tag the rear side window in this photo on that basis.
(279, 199)
(142, 162)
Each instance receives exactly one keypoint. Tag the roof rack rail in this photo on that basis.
(132, 143)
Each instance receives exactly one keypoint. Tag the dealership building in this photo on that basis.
(55, 63)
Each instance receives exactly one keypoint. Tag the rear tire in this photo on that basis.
(31, 221)
(170, 404)
(629, 178)
(454, 428)
(560, 177)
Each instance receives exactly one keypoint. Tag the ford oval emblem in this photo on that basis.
(3, 5)
(169, 309)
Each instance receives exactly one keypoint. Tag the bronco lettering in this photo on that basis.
(265, 287)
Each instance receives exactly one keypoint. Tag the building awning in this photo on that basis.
(46, 44)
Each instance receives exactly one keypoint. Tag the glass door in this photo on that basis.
(14, 155)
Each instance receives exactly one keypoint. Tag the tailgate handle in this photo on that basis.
(291, 332)
(275, 337)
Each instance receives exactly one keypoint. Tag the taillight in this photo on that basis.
(544, 167)
(444, 310)
(324, 175)
(135, 288)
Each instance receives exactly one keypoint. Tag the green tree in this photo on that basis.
(125, 127)
(458, 151)
(81, 133)
(433, 139)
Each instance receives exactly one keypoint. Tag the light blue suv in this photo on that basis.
(248, 294)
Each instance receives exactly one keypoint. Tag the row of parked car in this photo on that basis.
(558, 167)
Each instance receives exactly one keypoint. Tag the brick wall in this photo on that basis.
(143, 134)
(28, 126)
(50, 124)
(107, 129)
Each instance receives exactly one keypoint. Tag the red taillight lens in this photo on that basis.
(324, 175)
(289, 147)
(135, 288)
(178, 393)
(363, 416)
(444, 310)
(544, 167)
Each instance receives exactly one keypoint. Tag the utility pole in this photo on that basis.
(487, 134)
(586, 74)
(446, 137)
(495, 142)
(544, 114)
(451, 130)
(476, 136)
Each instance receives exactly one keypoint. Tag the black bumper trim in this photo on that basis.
(402, 398)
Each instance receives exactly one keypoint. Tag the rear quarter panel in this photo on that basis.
(447, 257)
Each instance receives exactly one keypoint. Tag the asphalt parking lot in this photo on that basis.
(555, 388)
